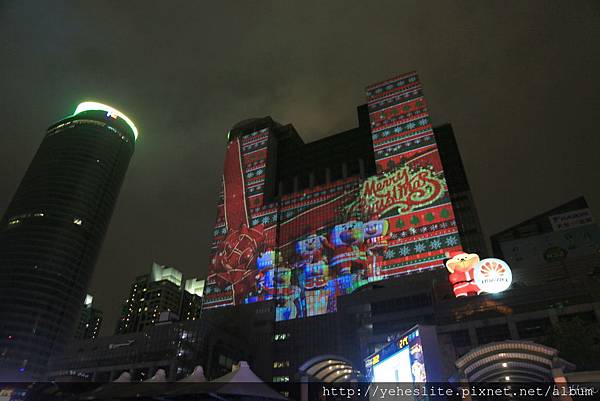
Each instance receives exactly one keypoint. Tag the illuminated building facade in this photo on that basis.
(90, 321)
(52, 232)
(301, 226)
(160, 295)
(306, 223)
(316, 245)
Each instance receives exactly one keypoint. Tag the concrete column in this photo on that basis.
(553, 317)
(327, 175)
(312, 179)
(361, 167)
(303, 388)
(597, 312)
(512, 328)
(344, 170)
(172, 376)
(473, 336)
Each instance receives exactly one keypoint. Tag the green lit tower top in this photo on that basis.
(52, 231)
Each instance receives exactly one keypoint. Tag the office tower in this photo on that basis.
(306, 223)
(160, 296)
(300, 226)
(465, 212)
(52, 231)
(90, 321)
(191, 301)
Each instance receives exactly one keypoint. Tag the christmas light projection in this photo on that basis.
(334, 238)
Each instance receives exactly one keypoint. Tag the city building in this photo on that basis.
(52, 232)
(299, 226)
(191, 302)
(176, 347)
(160, 295)
(90, 321)
(325, 252)
(465, 211)
(551, 246)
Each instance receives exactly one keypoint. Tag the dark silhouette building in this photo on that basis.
(52, 231)
(465, 211)
(90, 321)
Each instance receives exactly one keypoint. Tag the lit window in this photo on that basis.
(282, 336)
(77, 221)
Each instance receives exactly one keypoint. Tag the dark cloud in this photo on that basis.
(518, 80)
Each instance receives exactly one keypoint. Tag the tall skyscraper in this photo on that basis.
(52, 231)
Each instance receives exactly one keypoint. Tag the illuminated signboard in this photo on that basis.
(493, 275)
(310, 247)
(412, 358)
(471, 276)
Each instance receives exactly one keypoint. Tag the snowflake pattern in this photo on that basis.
(451, 241)
(404, 251)
(419, 248)
(435, 244)
(389, 254)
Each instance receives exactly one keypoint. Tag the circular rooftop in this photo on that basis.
(89, 106)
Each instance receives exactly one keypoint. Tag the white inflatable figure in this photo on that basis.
(197, 376)
(124, 377)
(159, 376)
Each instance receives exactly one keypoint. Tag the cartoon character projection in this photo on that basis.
(265, 288)
(234, 263)
(313, 263)
(349, 260)
(376, 243)
(287, 295)
(418, 364)
(461, 267)
(349, 253)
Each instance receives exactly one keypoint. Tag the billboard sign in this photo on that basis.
(493, 275)
(412, 357)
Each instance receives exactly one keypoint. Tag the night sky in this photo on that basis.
(519, 81)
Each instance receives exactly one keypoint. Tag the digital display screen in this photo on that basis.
(395, 369)
(400, 361)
